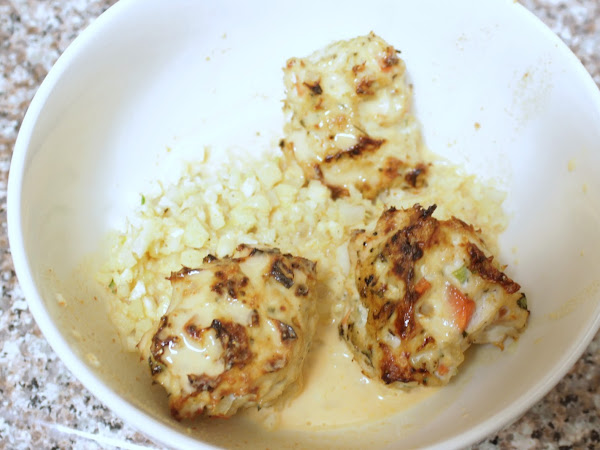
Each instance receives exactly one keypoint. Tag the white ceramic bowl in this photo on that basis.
(151, 74)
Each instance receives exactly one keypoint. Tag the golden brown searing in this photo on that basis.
(349, 123)
(236, 332)
(426, 290)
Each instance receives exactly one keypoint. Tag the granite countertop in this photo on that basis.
(44, 406)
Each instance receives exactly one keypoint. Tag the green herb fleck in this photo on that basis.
(522, 302)
(143, 199)
(461, 274)
(112, 286)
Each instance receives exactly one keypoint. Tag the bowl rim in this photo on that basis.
(135, 416)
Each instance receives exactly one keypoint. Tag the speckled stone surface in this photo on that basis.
(44, 406)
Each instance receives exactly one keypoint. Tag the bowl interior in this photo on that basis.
(128, 103)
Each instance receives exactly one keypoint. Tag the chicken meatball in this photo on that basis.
(426, 290)
(349, 121)
(236, 333)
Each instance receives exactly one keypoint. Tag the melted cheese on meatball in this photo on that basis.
(350, 124)
(426, 290)
(236, 333)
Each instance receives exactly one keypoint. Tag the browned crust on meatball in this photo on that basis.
(315, 87)
(234, 340)
(365, 144)
(416, 177)
(398, 367)
(390, 59)
(483, 266)
(402, 250)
